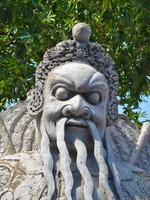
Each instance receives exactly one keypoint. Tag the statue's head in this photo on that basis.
(75, 99)
(78, 50)
(79, 93)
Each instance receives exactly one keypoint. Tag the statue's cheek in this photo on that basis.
(53, 108)
(99, 113)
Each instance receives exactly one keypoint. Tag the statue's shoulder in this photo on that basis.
(17, 130)
(130, 144)
(129, 158)
(124, 137)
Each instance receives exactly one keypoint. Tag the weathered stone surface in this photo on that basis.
(67, 141)
(21, 176)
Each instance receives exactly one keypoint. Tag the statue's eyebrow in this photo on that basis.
(94, 82)
(61, 79)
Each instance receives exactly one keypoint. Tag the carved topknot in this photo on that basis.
(81, 32)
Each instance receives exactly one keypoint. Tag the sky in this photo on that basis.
(145, 107)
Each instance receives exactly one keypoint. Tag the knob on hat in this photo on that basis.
(81, 32)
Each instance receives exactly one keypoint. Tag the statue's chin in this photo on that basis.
(73, 133)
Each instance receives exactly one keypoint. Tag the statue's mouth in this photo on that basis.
(77, 122)
(77, 129)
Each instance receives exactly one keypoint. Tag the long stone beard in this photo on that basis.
(81, 159)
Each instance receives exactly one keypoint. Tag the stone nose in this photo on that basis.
(77, 108)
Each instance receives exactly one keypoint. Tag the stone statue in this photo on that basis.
(67, 141)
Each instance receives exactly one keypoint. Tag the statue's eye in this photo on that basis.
(93, 98)
(62, 94)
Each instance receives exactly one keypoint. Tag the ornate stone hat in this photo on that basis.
(77, 50)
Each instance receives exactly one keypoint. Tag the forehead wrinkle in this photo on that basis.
(97, 77)
(78, 85)
(88, 76)
(57, 78)
(98, 81)
(85, 84)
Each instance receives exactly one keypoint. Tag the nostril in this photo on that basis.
(67, 111)
(87, 113)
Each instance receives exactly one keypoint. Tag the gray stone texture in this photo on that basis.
(67, 141)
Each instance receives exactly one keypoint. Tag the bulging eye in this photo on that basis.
(62, 94)
(93, 98)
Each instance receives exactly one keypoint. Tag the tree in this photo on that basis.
(29, 27)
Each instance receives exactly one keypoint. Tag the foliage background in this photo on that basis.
(29, 27)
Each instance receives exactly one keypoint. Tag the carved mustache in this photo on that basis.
(80, 116)
(76, 122)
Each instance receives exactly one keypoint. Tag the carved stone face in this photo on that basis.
(78, 92)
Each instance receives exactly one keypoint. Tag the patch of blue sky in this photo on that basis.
(144, 108)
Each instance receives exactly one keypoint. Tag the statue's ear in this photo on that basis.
(35, 103)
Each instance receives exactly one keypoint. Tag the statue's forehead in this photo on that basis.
(74, 67)
(78, 73)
